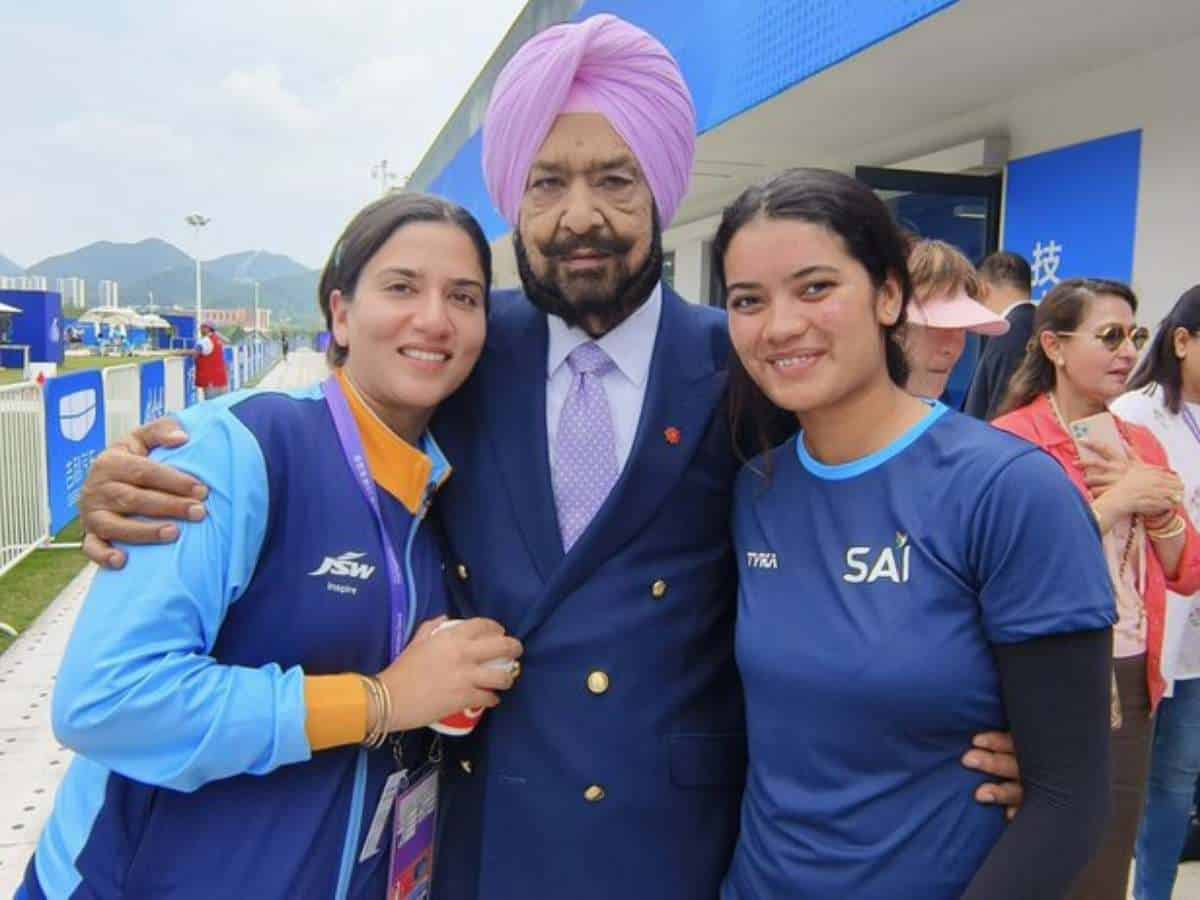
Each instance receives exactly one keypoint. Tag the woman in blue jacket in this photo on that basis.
(908, 577)
(240, 699)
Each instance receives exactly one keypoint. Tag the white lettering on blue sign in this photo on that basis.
(1046, 260)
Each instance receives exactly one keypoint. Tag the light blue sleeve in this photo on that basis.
(138, 691)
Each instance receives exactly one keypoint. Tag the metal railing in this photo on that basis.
(24, 493)
(122, 401)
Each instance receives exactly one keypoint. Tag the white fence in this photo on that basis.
(25, 490)
(122, 400)
(24, 501)
(175, 377)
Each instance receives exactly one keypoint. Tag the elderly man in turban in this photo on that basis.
(588, 512)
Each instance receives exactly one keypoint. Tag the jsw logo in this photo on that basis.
(345, 565)
(891, 564)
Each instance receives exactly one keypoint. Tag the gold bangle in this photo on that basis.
(386, 721)
(372, 710)
(377, 729)
(1174, 528)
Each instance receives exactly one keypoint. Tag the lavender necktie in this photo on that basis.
(585, 448)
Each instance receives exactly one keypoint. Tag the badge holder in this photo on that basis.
(414, 826)
(409, 802)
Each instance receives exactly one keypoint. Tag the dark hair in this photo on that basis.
(1008, 268)
(1161, 366)
(1063, 309)
(370, 229)
(853, 212)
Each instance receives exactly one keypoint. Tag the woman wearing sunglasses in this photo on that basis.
(1084, 346)
(1164, 396)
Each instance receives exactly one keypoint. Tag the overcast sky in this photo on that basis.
(123, 116)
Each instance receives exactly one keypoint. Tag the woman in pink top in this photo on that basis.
(1084, 346)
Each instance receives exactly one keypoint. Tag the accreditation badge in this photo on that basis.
(410, 875)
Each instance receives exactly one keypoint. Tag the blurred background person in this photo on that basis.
(1164, 397)
(945, 306)
(1084, 347)
(1005, 282)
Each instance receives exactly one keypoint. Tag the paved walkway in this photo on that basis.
(32, 761)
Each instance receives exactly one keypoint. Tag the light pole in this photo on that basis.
(381, 174)
(385, 176)
(198, 221)
(256, 329)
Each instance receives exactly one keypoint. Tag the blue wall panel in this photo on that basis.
(39, 324)
(462, 182)
(1073, 212)
(153, 391)
(734, 55)
(737, 55)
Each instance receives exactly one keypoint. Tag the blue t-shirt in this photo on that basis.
(870, 595)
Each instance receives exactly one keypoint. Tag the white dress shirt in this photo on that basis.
(631, 347)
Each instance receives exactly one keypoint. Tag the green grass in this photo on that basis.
(82, 364)
(31, 585)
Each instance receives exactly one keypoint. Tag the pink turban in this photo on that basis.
(603, 65)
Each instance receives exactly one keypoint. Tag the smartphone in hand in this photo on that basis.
(1098, 429)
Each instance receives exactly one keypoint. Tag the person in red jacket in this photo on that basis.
(1084, 346)
(211, 374)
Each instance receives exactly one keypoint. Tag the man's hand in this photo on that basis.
(123, 483)
(994, 754)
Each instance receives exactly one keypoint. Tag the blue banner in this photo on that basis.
(189, 382)
(154, 391)
(1073, 212)
(74, 437)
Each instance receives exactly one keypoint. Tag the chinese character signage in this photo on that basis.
(189, 381)
(74, 437)
(154, 391)
(1073, 212)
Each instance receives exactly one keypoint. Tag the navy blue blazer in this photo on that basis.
(615, 766)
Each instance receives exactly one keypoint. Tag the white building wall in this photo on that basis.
(1155, 92)
(690, 245)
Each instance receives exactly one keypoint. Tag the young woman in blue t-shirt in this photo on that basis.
(909, 577)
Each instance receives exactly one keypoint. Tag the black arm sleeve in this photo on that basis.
(1057, 694)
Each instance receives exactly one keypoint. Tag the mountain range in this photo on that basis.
(158, 269)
